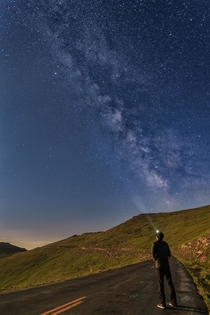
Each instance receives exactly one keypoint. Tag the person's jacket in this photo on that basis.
(161, 253)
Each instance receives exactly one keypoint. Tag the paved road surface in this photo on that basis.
(130, 290)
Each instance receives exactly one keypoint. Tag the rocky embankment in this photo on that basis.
(198, 249)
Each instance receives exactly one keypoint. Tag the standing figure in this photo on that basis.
(161, 254)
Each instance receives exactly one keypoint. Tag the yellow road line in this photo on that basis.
(64, 307)
(67, 308)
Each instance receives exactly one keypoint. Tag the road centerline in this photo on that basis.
(64, 307)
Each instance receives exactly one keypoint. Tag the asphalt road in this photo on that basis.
(129, 290)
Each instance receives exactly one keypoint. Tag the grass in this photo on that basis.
(198, 267)
(127, 243)
(200, 273)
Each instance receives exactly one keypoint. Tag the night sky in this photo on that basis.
(104, 113)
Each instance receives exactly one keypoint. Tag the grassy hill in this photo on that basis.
(127, 243)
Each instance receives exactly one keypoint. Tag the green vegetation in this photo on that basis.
(195, 256)
(201, 275)
(187, 232)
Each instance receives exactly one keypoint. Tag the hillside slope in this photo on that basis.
(124, 244)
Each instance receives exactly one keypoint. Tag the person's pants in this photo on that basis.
(161, 272)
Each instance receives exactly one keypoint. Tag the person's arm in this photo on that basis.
(154, 252)
(169, 252)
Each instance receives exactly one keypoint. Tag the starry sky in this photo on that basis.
(104, 113)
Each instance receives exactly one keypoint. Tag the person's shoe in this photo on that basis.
(161, 305)
(173, 304)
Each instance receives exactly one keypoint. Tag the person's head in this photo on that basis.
(159, 235)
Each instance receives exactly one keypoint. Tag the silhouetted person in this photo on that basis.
(161, 254)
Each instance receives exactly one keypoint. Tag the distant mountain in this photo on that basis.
(7, 248)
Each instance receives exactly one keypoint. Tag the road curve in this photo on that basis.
(131, 290)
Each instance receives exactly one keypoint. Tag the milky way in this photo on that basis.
(131, 78)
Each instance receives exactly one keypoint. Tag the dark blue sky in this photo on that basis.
(105, 111)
